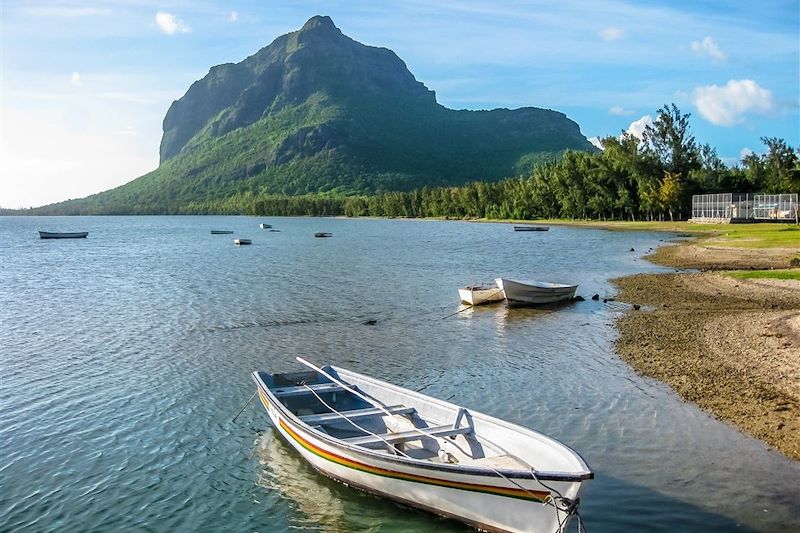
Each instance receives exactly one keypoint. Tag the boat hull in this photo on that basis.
(51, 235)
(535, 293)
(481, 296)
(484, 500)
(531, 228)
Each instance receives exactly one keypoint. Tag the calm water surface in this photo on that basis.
(125, 356)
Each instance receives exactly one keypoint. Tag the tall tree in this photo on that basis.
(669, 140)
(781, 166)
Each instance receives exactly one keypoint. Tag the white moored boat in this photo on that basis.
(535, 292)
(425, 452)
(481, 294)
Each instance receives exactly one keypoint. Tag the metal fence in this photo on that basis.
(734, 206)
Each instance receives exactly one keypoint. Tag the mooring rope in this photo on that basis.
(570, 505)
(244, 406)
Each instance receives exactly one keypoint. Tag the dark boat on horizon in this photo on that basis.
(531, 228)
(54, 235)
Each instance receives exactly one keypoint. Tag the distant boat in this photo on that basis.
(52, 235)
(423, 451)
(481, 294)
(221, 232)
(275, 231)
(323, 234)
(531, 228)
(242, 241)
(265, 226)
(535, 292)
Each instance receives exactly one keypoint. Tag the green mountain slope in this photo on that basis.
(317, 112)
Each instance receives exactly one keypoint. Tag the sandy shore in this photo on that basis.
(708, 256)
(731, 346)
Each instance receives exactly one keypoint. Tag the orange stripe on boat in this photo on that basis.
(499, 491)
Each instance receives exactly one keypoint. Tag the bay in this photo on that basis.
(124, 357)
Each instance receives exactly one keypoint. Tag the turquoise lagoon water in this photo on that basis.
(125, 356)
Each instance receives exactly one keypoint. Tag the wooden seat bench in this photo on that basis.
(327, 418)
(300, 390)
(405, 436)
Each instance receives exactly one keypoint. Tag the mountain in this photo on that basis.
(317, 112)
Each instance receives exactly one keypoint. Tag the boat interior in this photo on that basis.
(390, 422)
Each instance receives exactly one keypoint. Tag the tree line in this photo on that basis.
(647, 178)
(652, 178)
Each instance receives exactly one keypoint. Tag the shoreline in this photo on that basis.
(729, 345)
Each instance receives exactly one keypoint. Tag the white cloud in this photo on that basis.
(170, 24)
(727, 105)
(619, 110)
(637, 126)
(707, 47)
(233, 16)
(596, 141)
(75, 79)
(611, 33)
(744, 152)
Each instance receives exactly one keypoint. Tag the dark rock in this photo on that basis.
(632, 250)
(795, 262)
(578, 299)
(596, 297)
(636, 307)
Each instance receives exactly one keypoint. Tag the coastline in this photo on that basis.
(729, 345)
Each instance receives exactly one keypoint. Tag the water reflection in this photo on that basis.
(325, 505)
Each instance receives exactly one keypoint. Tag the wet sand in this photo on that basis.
(732, 346)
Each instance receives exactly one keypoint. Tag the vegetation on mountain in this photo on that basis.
(628, 180)
(319, 124)
(316, 112)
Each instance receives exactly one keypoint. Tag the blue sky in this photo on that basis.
(86, 84)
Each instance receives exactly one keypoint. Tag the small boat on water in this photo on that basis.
(242, 241)
(323, 234)
(535, 292)
(221, 232)
(481, 294)
(531, 228)
(53, 235)
(265, 226)
(424, 452)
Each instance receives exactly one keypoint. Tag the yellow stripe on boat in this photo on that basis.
(533, 495)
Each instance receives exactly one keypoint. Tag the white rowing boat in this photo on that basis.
(481, 294)
(242, 241)
(425, 452)
(535, 292)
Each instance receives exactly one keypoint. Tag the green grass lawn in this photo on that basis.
(755, 235)
(766, 274)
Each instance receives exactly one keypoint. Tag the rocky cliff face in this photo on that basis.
(317, 58)
(316, 111)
